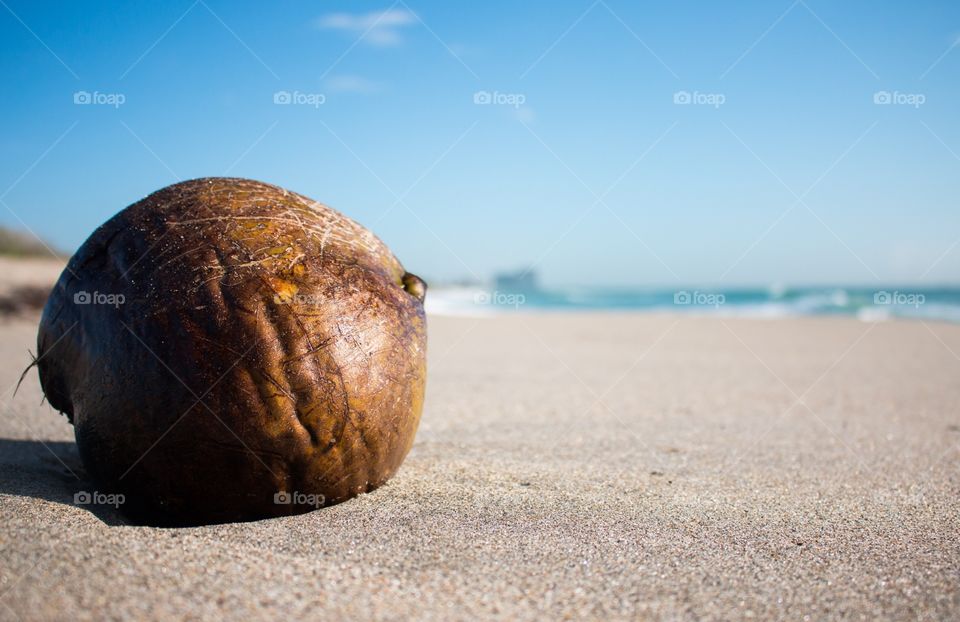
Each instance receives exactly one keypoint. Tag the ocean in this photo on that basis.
(866, 303)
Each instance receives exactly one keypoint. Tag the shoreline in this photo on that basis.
(666, 314)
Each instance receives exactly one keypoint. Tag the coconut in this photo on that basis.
(230, 350)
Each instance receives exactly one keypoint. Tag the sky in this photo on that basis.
(600, 142)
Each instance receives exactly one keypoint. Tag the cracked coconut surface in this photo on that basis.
(600, 466)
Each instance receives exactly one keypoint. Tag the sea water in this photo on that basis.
(867, 303)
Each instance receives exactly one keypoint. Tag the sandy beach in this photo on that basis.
(567, 466)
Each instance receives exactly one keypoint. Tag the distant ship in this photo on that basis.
(519, 281)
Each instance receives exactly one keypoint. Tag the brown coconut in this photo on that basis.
(229, 350)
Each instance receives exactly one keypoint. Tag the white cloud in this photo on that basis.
(525, 114)
(380, 28)
(352, 84)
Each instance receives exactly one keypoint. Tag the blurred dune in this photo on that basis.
(28, 270)
(20, 244)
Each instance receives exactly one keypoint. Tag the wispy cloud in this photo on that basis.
(352, 84)
(525, 114)
(380, 28)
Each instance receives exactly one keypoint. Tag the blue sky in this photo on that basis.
(820, 144)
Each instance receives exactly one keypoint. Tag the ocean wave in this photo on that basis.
(773, 302)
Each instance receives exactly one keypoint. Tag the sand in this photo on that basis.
(34, 272)
(568, 466)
